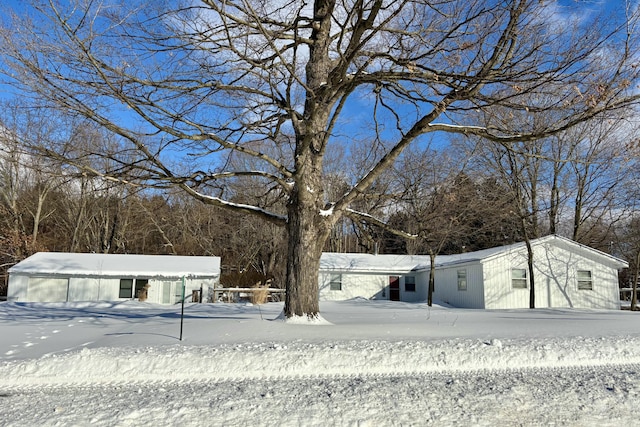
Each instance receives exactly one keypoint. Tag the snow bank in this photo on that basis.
(300, 359)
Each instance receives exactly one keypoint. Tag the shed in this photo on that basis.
(566, 274)
(56, 276)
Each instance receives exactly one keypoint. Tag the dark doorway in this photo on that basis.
(394, 288)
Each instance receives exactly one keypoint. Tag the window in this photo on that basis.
(335, 282)
(140, 284)
(410, 284)
(519, 278)
(584, 280)
(462, 280)
(126, 288)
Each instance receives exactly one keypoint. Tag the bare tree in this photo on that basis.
(599, 172)
(212, 81)
(26, 180)
(628, 243)
(444, 207)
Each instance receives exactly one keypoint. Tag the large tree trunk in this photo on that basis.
(307, 229)
(307, 233)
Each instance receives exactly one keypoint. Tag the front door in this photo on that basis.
(394, 288)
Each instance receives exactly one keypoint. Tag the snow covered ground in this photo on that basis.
(373, 363)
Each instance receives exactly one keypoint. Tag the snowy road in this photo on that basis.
(540, 396)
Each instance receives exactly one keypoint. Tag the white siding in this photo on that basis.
(108, 288)
(208, 286)
(51, 289)
(47, 289)
(164, 291)
(556, 283)
(17, 287)
(370, 286)
(422, 285)
(88, 289)
(93, 277)
(557, 262)
(498, 290)
(446, 286)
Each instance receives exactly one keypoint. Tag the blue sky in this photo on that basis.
(360, 106)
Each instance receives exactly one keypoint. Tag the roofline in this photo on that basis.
(149, 266)
(418, 268)
(371, 270)
(113, 275)
(616, 260)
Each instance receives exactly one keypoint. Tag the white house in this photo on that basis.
(391, 277)
(566, 274)
(54, 276)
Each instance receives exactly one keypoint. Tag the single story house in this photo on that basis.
(55, 277)
(392, 277)
(566, 274)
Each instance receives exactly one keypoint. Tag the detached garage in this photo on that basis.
(56, 277)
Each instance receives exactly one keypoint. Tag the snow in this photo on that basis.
(361, 363)
(118, 265)
(326, 212)
(361, 262)
(367, 263)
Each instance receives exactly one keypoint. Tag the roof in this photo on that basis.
(405, 263)
(331, 261)
(118, 265)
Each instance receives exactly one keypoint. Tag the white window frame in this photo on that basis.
(335, 282)
(585, 283)
(462, 279)
(517, 279)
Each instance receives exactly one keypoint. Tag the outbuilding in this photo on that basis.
(56, 276)
(566, 274)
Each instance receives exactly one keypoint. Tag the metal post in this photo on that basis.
(182, 311)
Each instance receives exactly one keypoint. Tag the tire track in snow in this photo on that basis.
(578, 396)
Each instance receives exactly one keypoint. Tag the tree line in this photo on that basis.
(460, 197)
